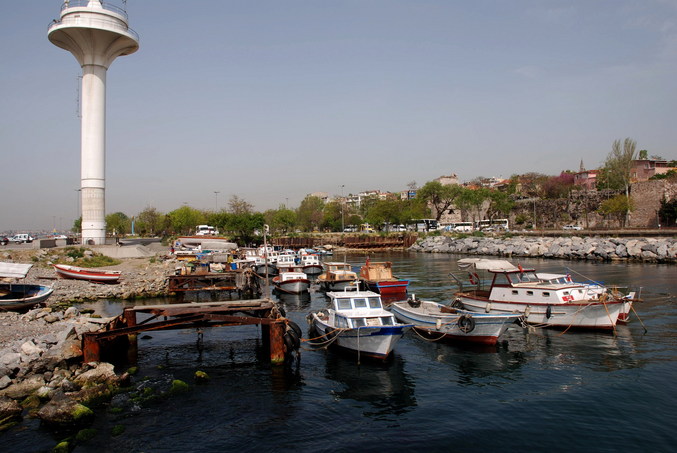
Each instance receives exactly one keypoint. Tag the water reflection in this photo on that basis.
(294, 301)
(386, 387)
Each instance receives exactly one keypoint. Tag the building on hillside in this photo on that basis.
(324, 196)
(450, 180)
(586, 179)
(644, 169)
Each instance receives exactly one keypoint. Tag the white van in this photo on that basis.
(21, 238)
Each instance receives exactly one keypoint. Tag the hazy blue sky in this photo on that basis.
(271, 100)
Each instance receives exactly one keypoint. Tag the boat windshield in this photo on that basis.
(373, 321)
(524, 277)
(374, 302)
(343, 304)
(360, 303)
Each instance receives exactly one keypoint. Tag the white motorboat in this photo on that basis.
(543, 302)
(357, 322)
(440, 321)
(311, 264)
(291, 281)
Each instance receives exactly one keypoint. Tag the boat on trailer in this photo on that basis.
(441, 322)
(20, 296)
(82, 273)
(545, 302)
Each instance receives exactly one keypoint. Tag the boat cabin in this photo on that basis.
(525, 285)
(285, 261)
(353, 309)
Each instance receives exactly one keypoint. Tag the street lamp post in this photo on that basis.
(343, 201)
(216, 200)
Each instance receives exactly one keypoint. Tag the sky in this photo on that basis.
(272, 100)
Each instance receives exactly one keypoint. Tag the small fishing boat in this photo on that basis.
(440, 321)
(337, 277)
(311, 264)
(292, 281)
(378, 277)
(357, 322)
(20, 296)
(82, 273)
(543, 302)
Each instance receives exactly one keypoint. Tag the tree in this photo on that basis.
(500, 204)
(617, 207)
(77, 225)
(244, 225)
(332, 216)
(237, 205)
(440, 197)
(558, 186)
(667, 214)
(118, 223)
(471, 200)
(310, 212)
(149, 222)
(281, 220)
(618, 167)
(185, 219)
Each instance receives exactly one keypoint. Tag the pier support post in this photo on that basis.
(91, 350)
(132, 340)
(277, 330)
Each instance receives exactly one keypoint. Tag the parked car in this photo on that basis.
(21, 238)
(572, 227)
(4, 240)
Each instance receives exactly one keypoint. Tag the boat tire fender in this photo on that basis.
(466, 323)
(295, 327)
(291, 341)
(548, 312)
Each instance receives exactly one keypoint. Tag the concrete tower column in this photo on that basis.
(96, 34)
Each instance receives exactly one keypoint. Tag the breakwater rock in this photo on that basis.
(41, 367)
(655, 250)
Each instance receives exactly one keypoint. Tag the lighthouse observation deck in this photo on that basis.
(92, 14)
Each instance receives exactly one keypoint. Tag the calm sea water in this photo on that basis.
(537, 390)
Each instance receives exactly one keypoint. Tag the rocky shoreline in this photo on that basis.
(651, 250)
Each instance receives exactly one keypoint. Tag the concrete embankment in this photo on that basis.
(653, 250)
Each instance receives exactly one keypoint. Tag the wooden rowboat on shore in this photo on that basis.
(81, 273)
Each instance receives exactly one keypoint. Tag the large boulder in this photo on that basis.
(65, 411)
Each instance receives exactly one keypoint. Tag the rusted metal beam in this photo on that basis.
(277, 330)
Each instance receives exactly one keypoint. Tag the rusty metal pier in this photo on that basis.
(244, 281)
(121, 334)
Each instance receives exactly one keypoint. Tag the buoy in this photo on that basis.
(438, 323)
(487, 308)
(527, 311)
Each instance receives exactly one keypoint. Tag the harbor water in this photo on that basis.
(538, 389)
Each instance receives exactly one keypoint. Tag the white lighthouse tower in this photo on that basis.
(95, 33)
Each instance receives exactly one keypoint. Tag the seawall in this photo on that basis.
(653, 250)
